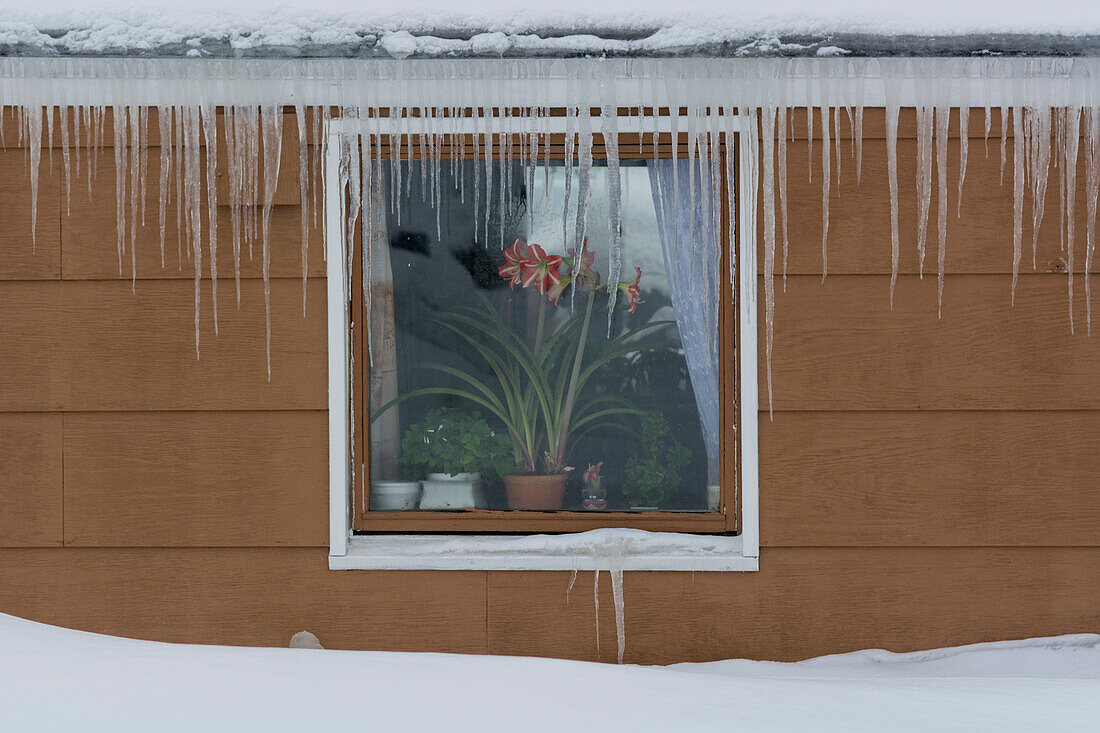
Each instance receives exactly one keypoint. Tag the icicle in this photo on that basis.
(964, 147)
(164, 124)
(1004, 136)
(767, 184)
(490, 121)
(892, 109)
(810, 126)
(210, 132)
(272, 120)
(230, 123)
(315, 168)
(78, 117)
(178, 153)
(713, 299)
(859, 132)
(943, 117)
(572, 580)
(1069, 166)
(988, 119)
(924, 178)
(836, 141)
(826, 176)
(609, 126)
(1092, 190)
(303, 196)
(135, 181)
(1041, 133)
(121, 164)
(30, 130)
(584, 177)
(596, 597)
(782, 135)
(570, 132)
(1017, 194)
(1060, 123)
(64, 117)
(505, 164)
(49, 134)
(672, 88)
(476, 165)
(370, 209)
(192, 202)
(143, 155)
(732, 196)
(692, 157)
(616, 572)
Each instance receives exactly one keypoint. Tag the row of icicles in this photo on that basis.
(190, 138)
(1041, 136)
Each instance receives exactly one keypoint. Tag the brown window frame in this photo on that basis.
(726, 520)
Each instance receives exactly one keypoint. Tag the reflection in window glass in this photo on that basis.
(498, 381)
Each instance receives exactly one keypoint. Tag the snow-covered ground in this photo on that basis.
(54, 679)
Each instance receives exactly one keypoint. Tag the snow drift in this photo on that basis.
(58, 679)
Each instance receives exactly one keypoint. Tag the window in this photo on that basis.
(480, 345)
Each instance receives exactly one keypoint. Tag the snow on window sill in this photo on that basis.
(600, 549)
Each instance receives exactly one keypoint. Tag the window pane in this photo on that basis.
(476, 371)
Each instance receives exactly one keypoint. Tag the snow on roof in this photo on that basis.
(494, 28)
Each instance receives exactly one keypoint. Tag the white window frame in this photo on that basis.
(593, 550)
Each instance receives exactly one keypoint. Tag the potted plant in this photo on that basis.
(538, 387)
(453, 447)
(595, 493)
(390, 496)
(655, 470)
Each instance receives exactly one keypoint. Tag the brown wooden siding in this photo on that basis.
(925, 481)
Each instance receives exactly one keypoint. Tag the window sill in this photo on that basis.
(601, 549)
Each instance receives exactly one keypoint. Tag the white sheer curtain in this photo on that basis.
(690, 254)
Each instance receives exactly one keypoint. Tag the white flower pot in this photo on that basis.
(390, 496)
(446, 491)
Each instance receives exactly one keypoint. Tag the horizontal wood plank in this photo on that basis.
(96, 346)
(939, 478)
(492, 520)
(979, 236)
(803, 603)
(23, 256)
(90, 235)
(214, 479)
(838, 345)
(252, 597)
(30, 480)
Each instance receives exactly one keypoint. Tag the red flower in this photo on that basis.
(554, 293)
(515, 257)
(580, 271)
(592, 474)
(581, 267)
(541, 269)
(632, 291)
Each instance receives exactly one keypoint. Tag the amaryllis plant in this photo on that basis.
(538, 385)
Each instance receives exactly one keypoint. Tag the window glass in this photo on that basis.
(493, 356)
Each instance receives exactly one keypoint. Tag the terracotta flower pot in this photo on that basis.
(538, 493)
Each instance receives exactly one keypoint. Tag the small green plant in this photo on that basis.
(655, 470)
(451, 440)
